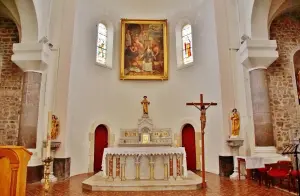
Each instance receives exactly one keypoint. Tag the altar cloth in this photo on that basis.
(253, 162)
(145, 151)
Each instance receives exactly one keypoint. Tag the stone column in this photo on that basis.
(257, 56)
(171, 173)
(152, 161)
(118, 168)
(110, 167)
(30, 109)
(31, 59)
(178, 167)
(261, 108)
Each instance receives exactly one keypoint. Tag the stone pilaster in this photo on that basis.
(261, 108)
(257, 56)
(31, 58)
(30, 109)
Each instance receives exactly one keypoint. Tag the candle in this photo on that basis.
(48, 149)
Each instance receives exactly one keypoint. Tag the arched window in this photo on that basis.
(187, 44)
(102, 44)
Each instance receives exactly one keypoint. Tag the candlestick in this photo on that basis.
(48, 147)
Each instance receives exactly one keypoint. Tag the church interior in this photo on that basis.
(194, 97)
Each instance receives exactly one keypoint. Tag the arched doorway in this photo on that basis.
(101, 142)
(188, 142)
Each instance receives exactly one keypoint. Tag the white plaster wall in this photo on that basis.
(97, 93)
(42, 9)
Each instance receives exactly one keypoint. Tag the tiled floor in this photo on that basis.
(217, 186)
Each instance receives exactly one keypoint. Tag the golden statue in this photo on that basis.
(54, 127)
(145, 104)
(235, 123)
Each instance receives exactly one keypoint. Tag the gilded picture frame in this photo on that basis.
(144, 50)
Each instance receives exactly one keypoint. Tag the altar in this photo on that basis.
(144, 163)
(145, 159)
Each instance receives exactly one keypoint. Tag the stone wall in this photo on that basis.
(10, 85)
(281, 77)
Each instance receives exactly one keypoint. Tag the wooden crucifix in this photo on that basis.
(203, 107)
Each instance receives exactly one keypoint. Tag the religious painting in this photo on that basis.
(144, 52)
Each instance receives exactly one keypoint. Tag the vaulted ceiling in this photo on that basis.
(8, 9)
(281, 6)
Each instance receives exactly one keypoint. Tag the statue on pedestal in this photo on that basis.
(235, 123)
(235, 142)
(145, 104)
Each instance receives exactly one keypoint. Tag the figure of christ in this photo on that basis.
(203, 115)
(145, 104)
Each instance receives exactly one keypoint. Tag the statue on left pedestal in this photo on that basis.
(54, 127)
(145, 104)
(235, 123)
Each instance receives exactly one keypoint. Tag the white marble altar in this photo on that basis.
(145, 160)
(138, 163)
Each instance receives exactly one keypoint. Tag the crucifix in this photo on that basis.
(203, 107)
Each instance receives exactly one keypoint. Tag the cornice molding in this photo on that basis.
(258, 54)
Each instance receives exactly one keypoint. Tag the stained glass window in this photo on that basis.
(101, 44)
(187, 44)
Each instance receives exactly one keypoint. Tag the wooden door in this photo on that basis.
(188, 142)
(101, 142)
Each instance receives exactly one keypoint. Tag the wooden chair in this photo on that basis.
(294, 177)
(281, 172)
(262, 173)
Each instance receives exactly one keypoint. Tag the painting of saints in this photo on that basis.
(144, 51)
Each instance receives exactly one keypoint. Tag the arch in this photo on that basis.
(262, 13)
(259, 20)
(178, 137)
(101, 44)
(187, 44)
(189, 143)
(180, 44)
(279, 7)
(110, 139)
(28, 20)
(109, 42)
(296, 61)
(101, 142)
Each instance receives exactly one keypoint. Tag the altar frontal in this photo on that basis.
(146, 159)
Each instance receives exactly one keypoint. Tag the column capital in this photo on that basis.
(31, 56)
(258, 54)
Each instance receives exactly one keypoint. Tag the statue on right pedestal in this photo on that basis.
(235, 123)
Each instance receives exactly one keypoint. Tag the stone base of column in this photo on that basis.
(110, 179)
(269, 154)
(179, 178)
